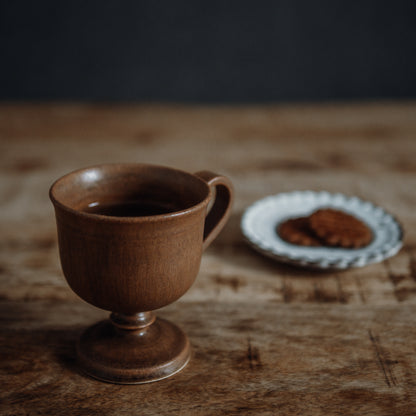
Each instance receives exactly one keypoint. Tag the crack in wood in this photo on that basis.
(342, 296)
(360, 290)
(394, 279)
(253, 356)
(384, 363)
(287, 292)
(402, 292)
(321, 295)
(233, 282)
(412, 264)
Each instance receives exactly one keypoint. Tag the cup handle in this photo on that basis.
(221, 209)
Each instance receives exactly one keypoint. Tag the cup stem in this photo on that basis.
(134, 322)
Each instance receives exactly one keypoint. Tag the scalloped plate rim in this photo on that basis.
(337, 258)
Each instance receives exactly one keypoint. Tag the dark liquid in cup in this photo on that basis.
(130, 208)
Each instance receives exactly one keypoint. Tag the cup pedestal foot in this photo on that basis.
(133, 349)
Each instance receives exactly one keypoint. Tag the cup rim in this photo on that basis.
(114, 219)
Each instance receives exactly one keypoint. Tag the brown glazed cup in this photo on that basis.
(132, 265)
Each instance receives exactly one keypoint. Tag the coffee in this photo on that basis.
(135, 208)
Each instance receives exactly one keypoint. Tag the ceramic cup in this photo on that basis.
(130, 239)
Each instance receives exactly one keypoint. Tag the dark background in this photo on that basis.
(211, 51)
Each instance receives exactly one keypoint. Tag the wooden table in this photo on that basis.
(267, 338)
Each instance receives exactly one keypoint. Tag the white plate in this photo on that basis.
(260, 220)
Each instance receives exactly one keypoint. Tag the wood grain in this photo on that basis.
(267, 338)
(295, 359)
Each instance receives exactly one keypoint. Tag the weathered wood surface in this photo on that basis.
(248, 359)
(267, 338)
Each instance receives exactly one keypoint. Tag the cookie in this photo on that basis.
(297, 231)
(337, 228)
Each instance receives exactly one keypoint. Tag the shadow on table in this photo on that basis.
(39, 336)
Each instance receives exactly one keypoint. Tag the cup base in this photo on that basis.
(119, 356)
